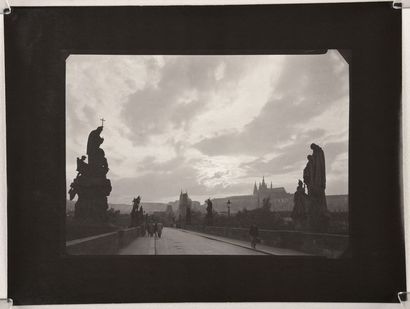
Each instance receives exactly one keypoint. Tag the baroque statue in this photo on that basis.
(310, 210)
(91, 184)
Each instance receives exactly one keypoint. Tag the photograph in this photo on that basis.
(205, 154)
(208, 154)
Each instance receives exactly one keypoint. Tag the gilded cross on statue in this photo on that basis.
(102, 121)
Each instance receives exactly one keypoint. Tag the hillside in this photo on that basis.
(335, 203)
(124, 208)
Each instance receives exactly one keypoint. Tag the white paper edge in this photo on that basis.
(3, 183)
(3, 187)
(406, 133)
(167, 2)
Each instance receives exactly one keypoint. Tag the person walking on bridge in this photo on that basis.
(155, 229)
(151, 229)
(253, 233)
(159, 229)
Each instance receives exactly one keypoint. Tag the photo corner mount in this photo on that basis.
(6, 303)
(401, 4)
(6, 8)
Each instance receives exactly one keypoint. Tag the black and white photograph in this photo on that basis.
(205, 154)
(208, 154)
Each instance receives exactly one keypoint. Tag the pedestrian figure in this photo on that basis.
(159, 229)
(143, 229)
(253, 233)
(155, 229)
(150, 229)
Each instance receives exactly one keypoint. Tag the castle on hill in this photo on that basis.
(281, 200)
(262, 191)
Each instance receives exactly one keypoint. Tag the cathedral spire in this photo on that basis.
(264, 186)
(255, 189)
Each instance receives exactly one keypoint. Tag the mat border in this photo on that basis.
(38, 271)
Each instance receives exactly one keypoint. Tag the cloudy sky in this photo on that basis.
(211, 125)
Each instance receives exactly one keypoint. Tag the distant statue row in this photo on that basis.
(91, 184)
(310, 210)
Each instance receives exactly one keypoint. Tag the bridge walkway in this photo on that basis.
(184, 242)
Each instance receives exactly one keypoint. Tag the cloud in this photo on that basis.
(308, 88)
(209, 124)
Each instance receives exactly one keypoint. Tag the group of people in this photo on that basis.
(152, 229)
(139, 219)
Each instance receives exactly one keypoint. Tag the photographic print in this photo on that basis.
(231, 153)
(208, 154)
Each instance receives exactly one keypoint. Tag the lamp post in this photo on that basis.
(229, 208)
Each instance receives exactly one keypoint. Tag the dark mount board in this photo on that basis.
(37, 42)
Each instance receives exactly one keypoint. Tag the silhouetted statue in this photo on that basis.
(93, 144)
(299, 213)
(319, 169)
(82, 167)
(91, 184)
(314, 176)
(308, 173)
(135, 213)
(73, 188)
(209, 212)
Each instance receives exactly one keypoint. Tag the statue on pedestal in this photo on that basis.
(308, 173)
(300, 211)
(209, 212)
(135, 212)
(314, 176)
(91, 184)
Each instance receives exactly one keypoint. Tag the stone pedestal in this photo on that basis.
(318, 215)
(92, 198)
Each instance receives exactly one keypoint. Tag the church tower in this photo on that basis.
(255, 189)
(264, 186)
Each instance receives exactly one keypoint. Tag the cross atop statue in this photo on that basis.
(102, 121)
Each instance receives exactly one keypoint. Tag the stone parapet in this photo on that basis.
(103, 244)
(322, 244)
